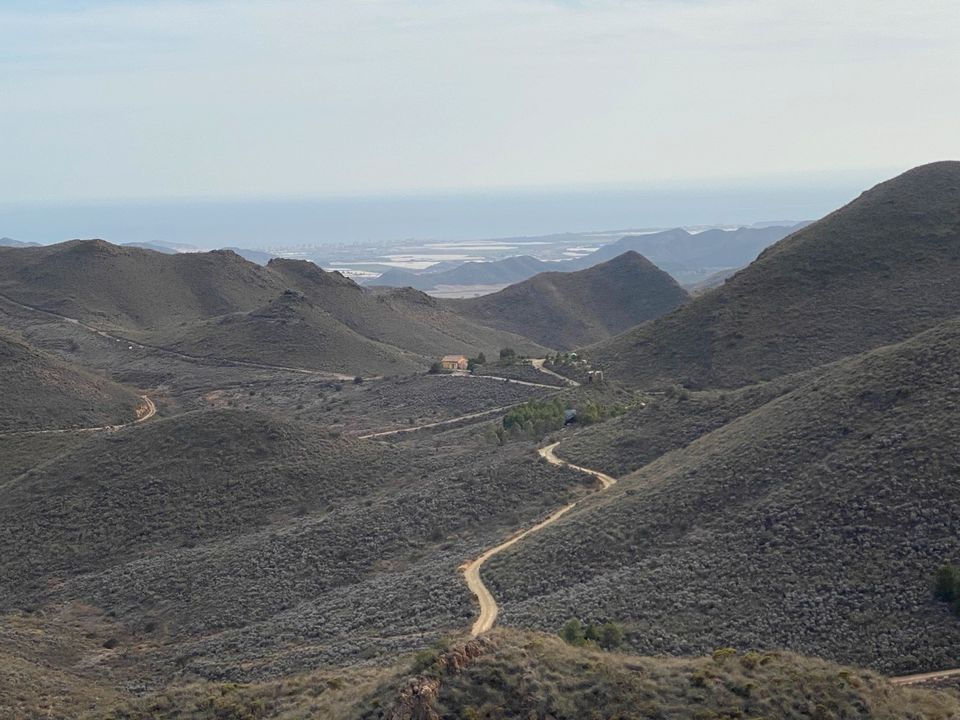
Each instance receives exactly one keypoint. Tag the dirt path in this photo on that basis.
(547, 453)
(538, 364)
(197, 359)
(500, 378)
(145, 410)
(438, 423)
(471, 570)
(921, 678)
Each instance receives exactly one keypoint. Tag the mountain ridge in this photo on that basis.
(878, 270)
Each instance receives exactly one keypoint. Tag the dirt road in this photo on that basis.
(547, 453)
(471, 570)
(438, 423)
(922, 678)
(145, 410)
(538, 364)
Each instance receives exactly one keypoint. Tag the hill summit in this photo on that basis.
(879, 270)
(569, 309)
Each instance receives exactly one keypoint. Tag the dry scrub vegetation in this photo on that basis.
(815, 523)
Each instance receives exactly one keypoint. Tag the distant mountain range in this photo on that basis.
(676, 251)
(10, 242)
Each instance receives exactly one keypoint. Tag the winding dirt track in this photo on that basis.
(471, 570)
(547, 453)
(146, 410)
(488, 605)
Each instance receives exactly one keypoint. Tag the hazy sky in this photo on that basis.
(115, 99)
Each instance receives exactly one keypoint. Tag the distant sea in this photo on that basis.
(271, 223)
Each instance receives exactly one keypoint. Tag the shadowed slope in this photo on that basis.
(879, 270)
(801, 524)
(40, 392)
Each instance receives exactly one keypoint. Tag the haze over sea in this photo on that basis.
(270, 223)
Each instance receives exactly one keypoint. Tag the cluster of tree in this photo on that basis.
(534, 419)
(608, 635)
(538, 418)
(947, 586)
(480, 359)
(563, 358)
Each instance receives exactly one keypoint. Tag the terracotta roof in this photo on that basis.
(453, 358)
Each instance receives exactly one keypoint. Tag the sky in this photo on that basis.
(114, 99)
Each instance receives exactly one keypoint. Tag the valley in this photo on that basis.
(233, 490)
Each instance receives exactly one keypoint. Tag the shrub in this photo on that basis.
(947, 585)
(721, 654)
(508, 354)
(608, 636)
(358, 380)
(435, 368)
(425, 660)
(573, 633)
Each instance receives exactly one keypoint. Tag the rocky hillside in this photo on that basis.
(814, 523)
(530, 675)
(879, 270)
(568, 310)
(40, 392)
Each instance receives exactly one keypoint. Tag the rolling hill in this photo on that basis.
(232, 543)
(219, 305)
(879, 270)
(815, 523)
(40, 392)
(404, 318)
(568, 310)
(290, 331)
(124, 287)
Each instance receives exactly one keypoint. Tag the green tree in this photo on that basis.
(573, 633)
(435, 368)
(947, 585)
(609, 636)
(507, 354)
